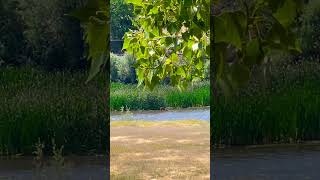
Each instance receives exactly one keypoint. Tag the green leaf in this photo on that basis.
(187, 3)
(240, 74)
(140, 75)
(150, 76)
(97, 39)
(253, 53)
(95, 19)
(228, 29)
(96, 66)
(126, 43)
(287, 13)
(181, 72)
(90, 10)
(135, 2)
(154, 10)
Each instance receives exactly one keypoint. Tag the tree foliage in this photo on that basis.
(12, 41)
(54, 41)
(172, 38)
(95, 19)
(247, 34)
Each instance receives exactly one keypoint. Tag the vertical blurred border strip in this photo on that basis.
(212, 90)
(95, 20)
(108, 89)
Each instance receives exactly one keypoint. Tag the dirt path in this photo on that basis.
(158, 151)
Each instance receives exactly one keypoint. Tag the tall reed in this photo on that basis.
(37, 104)
(284, 111)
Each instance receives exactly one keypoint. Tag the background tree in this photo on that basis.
(121, 16)
(54, 39)
(12, 40)
(309, 32)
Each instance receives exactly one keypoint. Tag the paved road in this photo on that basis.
(291, 163)
(77, 168)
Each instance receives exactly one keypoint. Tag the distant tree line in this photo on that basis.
(39, 33)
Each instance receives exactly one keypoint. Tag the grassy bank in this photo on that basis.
(36, 104)
(129, 95)
(285, 111)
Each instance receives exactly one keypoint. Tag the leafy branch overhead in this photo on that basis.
(95, 19)
(249, 32)
(171, 40)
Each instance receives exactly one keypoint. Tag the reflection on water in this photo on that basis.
(76, 168)
(193, 113)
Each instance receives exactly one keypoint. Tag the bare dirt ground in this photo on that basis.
(160, 151)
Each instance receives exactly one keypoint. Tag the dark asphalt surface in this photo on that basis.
(76, 168)
(291, 163)
(273, 163)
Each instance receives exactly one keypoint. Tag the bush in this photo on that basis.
(122, 68)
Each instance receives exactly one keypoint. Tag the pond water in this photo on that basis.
(183, 114)
(285, 163)
(76, 168)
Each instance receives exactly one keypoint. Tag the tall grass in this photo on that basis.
(285, 111)
(36, 104)
(136, 98)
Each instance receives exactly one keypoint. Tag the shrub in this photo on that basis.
(122, 68)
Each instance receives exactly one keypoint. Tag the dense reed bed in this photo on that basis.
(284, 110)
(136, 98)
(35, 105)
